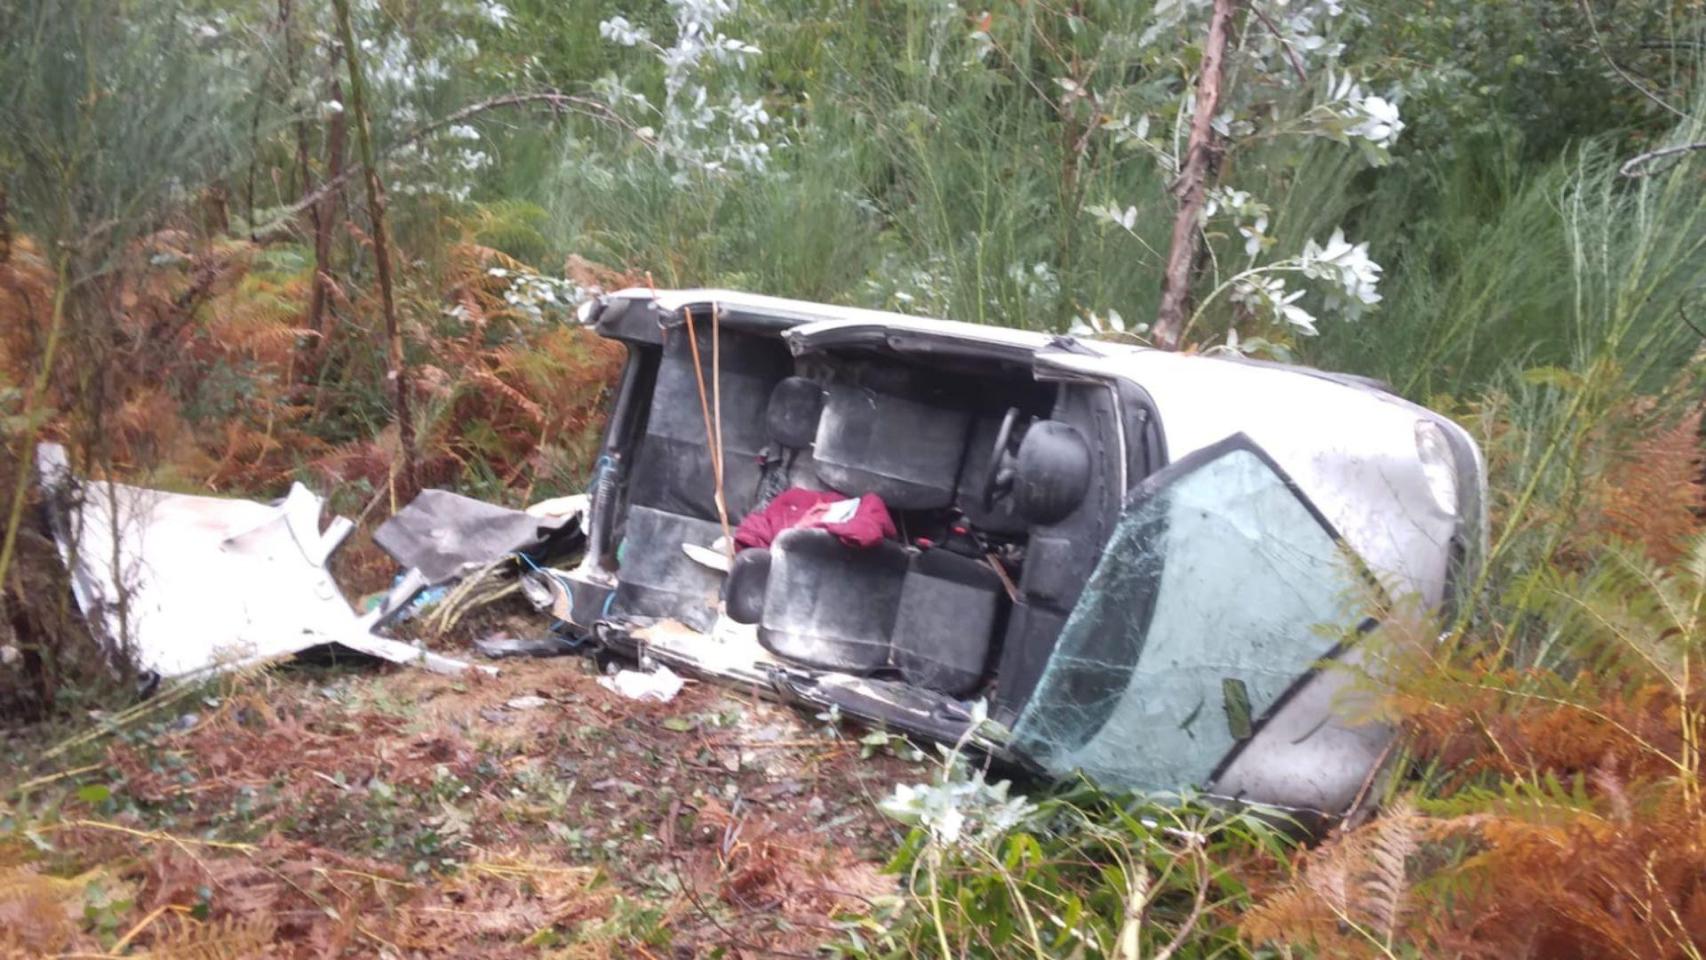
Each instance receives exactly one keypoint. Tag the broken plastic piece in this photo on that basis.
(715, 556)
(559, 509)
(499, 646)
(659, 686)
(190, 584)
(443, 534)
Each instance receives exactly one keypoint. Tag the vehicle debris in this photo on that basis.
(658, 686)
(446, 535)
(443, 537)
(502, 646)
(191, 584)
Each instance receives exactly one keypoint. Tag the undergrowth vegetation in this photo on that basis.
(1497, 208)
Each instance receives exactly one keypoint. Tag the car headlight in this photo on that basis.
(1439, 466)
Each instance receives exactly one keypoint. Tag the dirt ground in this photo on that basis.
(363, 810)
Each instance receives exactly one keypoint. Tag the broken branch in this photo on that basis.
(1634, 166)
(1617, 68)
(1290, 52)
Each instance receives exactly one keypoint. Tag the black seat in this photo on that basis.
(657, 577)
(672, 465)
(831, 606)
(672, 490)
(891, 432)
(790, 421)
(950, 606)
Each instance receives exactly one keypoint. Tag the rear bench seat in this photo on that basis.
(931, 616)
(671, 496)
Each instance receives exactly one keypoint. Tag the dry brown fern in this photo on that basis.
(1654, 496)
(39, 912)
(228, 938)
(1566, 815)
(33, 913)
(1351, 894)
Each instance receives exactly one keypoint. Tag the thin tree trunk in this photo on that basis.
(325, 216)
(397, 370)
(1192, 185)
(218, 207)
(309, 348)
(24, 460)
(290, 75)
(255, 150)
(326, 212)
(5, 227)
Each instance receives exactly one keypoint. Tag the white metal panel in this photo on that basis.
(1352, 451)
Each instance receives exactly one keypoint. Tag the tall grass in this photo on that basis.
(909, 173)
(1495, 266)
(1557, 715)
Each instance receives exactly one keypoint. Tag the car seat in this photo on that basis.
(950, 606)
(829, 605)
(672, 465)
(886, 431)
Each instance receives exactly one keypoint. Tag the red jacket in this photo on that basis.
(861, 522)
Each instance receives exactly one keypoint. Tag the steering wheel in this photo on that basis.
(998, 476)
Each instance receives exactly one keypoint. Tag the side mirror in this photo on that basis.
(743, 591)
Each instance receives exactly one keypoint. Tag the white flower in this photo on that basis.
(619, 30)
(1125, 219)
(1090, 325)
(1249, 216)
(739, 48)
(1226, 198)
(1356, 114)
(1266, 296)
(1347, 267)
(462, 131)
(495, 13)
(1255, 235)
(750, 116)
(330, 109)
(958, 811)
(1379, 123)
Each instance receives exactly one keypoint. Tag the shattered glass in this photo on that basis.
(1213, 597)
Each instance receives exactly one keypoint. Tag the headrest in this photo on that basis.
(743, 591)
(795, 406)
(1053, 472)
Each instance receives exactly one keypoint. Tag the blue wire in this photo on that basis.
(609, 598)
